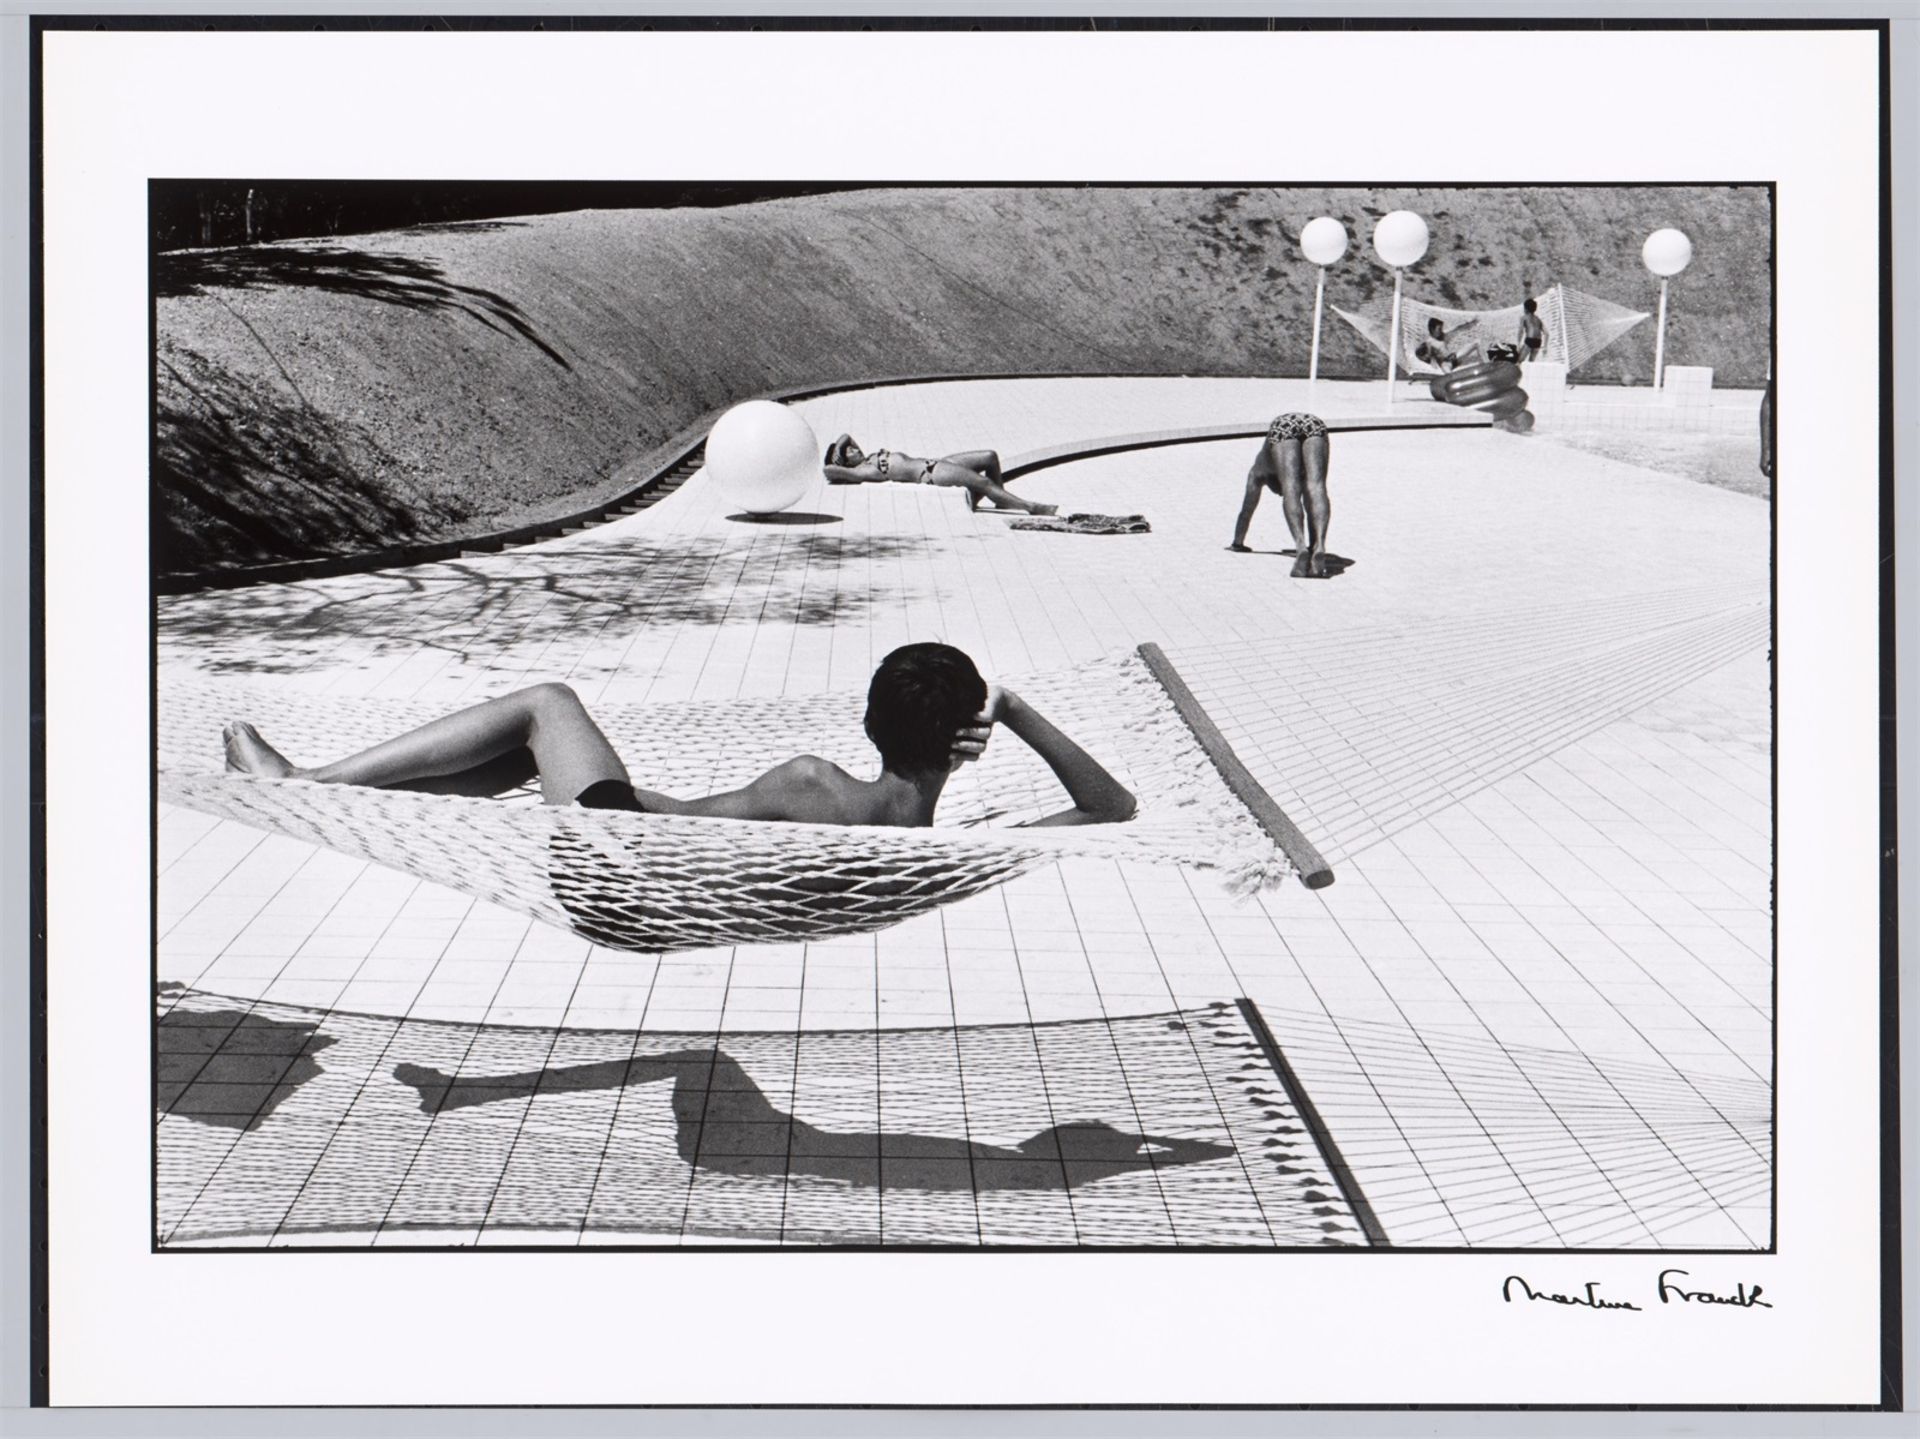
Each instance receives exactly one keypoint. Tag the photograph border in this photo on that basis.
(1890, 1178)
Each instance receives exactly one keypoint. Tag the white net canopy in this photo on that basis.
(1578, 325)
(659, 882)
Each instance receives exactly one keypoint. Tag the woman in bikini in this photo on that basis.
(928, 712)
(975, 471)
(1293, 464)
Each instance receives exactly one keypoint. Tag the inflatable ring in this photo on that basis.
(1477, 383)
(1478, 392)
(1503, 406)
(1491, 368)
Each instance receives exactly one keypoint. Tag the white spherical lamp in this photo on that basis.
(1667, 253)
(1323, 240)
(763, 456)
(1400, 238)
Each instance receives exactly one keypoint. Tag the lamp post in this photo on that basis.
(1322, 241)
(1400, 239)
(1666, 254)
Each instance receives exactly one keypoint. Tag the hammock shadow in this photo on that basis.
(231, 1068)
(389, 279)
(583, 597)
(725, 1124)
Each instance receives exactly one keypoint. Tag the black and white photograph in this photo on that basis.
(1249, 725)
(803, 793)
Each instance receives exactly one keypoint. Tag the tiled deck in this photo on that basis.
(1533, 982)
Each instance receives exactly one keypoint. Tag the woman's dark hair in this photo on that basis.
(1530, 306)
(838, 449)
(1434, 327)
(920, 697)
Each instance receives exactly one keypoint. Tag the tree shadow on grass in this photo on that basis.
(403, 280)
(580, 598)
(246, 474)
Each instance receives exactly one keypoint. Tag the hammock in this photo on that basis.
(1579, 326)
(660, 882)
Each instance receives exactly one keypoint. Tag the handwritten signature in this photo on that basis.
(1666, 1289)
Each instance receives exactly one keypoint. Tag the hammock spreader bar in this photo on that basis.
(1308, 863)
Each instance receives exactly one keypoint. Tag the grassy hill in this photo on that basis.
(324, 398)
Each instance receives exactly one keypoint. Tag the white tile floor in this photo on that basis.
(1572, 874)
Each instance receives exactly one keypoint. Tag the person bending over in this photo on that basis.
(928, 711)
(975, 471)
(1292, 462)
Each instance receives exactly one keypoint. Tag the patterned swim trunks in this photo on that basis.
(1296, 426)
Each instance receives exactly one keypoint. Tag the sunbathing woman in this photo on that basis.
(976, 471)
(1293, 464)
(928, 711)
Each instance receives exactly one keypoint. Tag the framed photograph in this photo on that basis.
(965, 713)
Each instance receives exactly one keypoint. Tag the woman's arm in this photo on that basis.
(1098, 798)
(841, 475)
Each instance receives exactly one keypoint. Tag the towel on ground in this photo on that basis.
(1086, 524)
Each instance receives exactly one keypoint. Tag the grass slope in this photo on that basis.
(325, 398)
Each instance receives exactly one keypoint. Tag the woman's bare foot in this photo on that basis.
(1302, 566)
(1241, 549)
(1046, 509)
(247, 753)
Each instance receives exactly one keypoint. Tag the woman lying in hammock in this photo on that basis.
(928, 712)
(975, 471)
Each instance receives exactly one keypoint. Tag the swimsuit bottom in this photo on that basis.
(926, 475)
(1296, 426)
(610, 794)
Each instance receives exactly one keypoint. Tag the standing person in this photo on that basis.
(1292, 462)
(1766, 430)
(1533, 332)
(975, 471)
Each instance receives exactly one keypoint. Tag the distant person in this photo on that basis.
(1292, 462)
(1440, 348)
(1766, 430)
(975, 471)
(928, 712)
(1533, 332)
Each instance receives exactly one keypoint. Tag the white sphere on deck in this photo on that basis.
(1323, 240)
(763, 456)
(1667, 253)
(1400, 238)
